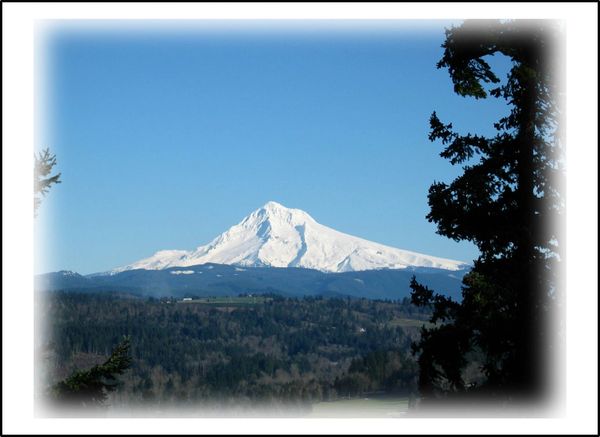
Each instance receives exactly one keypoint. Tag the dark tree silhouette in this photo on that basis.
(508, 202)
(85, 388)
(44, 162)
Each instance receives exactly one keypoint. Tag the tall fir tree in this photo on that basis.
(508, 202)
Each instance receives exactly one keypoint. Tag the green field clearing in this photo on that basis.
(229, 301)
(411, 323)
(364, 407)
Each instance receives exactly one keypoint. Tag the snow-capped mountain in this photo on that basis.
(276, 236)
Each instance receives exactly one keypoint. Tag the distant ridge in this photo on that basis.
(227, 280)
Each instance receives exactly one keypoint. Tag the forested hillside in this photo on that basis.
(265, 348)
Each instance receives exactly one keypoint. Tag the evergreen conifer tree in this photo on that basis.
(85, 388)
(508, 202)
(44, 162)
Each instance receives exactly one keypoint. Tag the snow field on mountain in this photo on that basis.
(283, 237)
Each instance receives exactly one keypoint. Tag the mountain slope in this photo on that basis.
(276, 236)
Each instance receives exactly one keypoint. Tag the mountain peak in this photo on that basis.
(276, 211)
(271, 205)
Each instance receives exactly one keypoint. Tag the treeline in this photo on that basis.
(306, 349)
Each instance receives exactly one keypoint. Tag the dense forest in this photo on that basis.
(266, 348)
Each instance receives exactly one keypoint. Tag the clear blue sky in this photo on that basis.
(166, 137)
